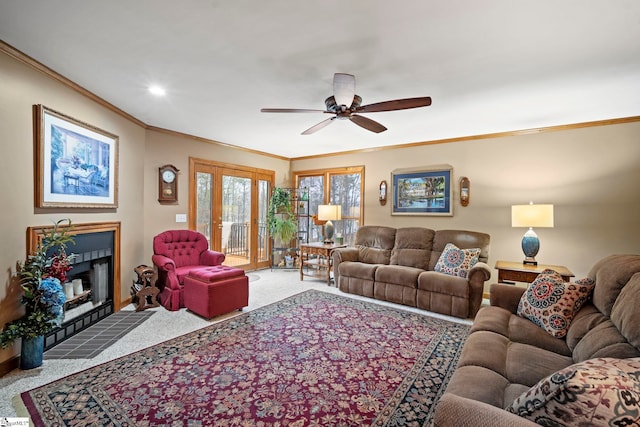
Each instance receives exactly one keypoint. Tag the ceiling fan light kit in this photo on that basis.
(345, 104)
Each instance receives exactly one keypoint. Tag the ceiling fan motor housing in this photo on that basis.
(333, 107)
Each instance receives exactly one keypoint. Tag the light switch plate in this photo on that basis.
(181, 217)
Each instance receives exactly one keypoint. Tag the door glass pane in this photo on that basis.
(263, 235)
(203, 204)
(345, 190)
(315, 186)
(236, 219)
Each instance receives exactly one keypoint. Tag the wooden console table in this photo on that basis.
(509, 271)
(315, 260)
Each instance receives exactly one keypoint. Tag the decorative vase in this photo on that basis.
(31, 353)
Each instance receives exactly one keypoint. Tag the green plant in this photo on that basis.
(284, 228)
(41, 277)
(280, 219)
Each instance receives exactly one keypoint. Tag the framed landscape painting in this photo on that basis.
(422, 191)
(76, 164)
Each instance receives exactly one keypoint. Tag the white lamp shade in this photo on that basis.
(329, 212)
(532, 215)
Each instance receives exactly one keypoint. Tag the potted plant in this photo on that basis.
(281, 221)
(41, 277)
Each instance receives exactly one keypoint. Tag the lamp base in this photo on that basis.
(530, 247)
(328, 233)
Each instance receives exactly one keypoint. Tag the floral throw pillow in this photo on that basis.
(551, 303)
(596, 392)
(457, 262)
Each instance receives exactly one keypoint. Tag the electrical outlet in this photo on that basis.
(181, 217)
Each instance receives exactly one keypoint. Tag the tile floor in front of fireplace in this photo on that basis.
(266, 287)
(92, 341)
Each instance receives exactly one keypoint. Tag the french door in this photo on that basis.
(228, 204)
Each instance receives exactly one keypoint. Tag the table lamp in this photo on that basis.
(329, 213)
(531, 216)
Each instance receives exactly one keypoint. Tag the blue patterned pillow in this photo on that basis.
(457, 262)
(551, 303)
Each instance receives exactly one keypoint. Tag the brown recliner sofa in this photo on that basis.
(397, 265)
(505, 354)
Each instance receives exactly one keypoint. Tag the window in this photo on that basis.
(341, 186)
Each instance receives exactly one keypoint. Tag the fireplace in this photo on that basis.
(93, 287)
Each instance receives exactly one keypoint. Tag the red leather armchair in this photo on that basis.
(175, 254)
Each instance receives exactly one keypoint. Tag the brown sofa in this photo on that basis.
(397, 265)
(506, 355)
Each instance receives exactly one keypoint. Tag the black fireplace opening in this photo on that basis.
(89, 287)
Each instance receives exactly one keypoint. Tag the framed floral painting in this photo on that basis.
(76, 164)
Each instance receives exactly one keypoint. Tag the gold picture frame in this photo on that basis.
(76, 164)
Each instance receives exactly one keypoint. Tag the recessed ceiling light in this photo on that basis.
(157, 90)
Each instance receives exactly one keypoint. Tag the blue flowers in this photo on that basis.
(54, 297)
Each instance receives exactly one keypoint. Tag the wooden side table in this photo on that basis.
(510, 272)
(315, 260)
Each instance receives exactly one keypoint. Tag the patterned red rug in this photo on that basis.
(314, 359)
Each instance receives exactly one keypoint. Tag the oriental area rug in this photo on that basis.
(313, 359)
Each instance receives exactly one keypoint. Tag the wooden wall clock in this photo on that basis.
(168, 184)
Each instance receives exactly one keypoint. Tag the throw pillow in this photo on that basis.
(551, 303)
(457, 262)
(596, 392)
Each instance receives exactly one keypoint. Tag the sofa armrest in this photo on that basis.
(341, 255)
(479, 274)
(210, 257)
(506, 296)
(481, 270)
(453, 410)
(345, 254)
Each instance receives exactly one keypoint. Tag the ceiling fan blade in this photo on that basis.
(397, 104)
(289, 110)
(319, 126)
(367, 123)
(344, 88)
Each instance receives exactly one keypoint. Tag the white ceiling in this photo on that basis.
(489, 66)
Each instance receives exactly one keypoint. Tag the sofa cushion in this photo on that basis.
(625, 314)
(413, 247)
(551, 303)
(397, 274)
(359, 270)
(457, 262)
(462, 239)
(517, 329)
(604, 340)
(597, 392)
(611, 275)
(374, 244)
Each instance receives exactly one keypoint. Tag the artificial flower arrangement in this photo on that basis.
(41, 277)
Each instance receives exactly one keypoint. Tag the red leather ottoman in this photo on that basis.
(212, 291)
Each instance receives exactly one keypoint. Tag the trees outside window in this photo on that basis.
(341, 186)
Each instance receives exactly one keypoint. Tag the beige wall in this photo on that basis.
(591, 176)
(165, 148)
(141, 151)
(20, 88)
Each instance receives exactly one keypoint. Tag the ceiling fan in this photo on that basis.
(345, 105)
